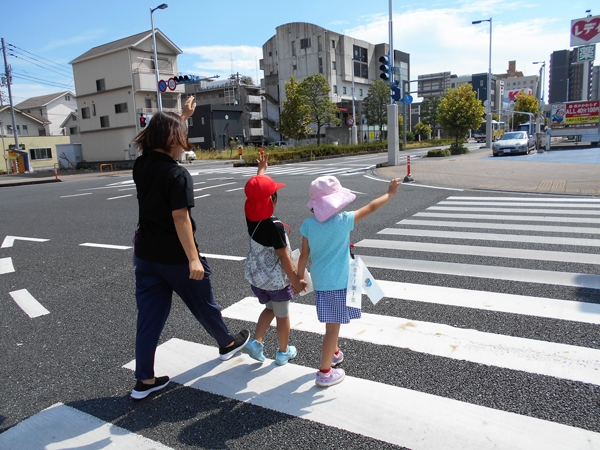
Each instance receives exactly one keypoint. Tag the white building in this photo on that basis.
(302, 49)
(115, 84)
(52, 107)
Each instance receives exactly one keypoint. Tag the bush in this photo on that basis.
(458, 149)
(437, 152)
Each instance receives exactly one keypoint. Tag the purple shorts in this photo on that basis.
(282, 295)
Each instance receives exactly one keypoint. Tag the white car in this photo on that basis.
(190, 155)
(514, 142)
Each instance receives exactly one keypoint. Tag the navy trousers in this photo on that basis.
(154, 286)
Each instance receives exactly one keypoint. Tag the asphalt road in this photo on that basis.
(74, 354)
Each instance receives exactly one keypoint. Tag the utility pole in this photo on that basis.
(10, 100)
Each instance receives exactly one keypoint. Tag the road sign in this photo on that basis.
(162, 85)
(172, 84)
(407, 99)
(350, 121)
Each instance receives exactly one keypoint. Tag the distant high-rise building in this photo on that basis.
(569, 78)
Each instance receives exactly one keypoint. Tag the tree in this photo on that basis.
(429, 112)
(323, 111)
(422, 130)
(245, 79)
(375, 105)
(525, 103)
(295, 118)
(460, 111)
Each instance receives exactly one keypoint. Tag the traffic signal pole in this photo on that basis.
(392, 109)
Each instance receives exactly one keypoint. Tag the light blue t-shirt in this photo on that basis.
(329, 243)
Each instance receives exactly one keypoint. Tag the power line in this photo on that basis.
(35, 64)
(41, 57)
(40, 81)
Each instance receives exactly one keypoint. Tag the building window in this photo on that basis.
(121, 108)
(293, 48)
(104, 122)
(40, 153)
(100, 86)
(9, 129)
(305, 43)
(319, 44)
(320, 65)
(335, 89)
(360, 92)
(294, 67)
(73, 130)
(25, 130)
(343, 89)
(68, 98)
(452, 85)
(361, 61)
(333, 65)
(18, 129)
(41, 132)
(332, 43)
(270, 53)
(148, 103)
(481, 83)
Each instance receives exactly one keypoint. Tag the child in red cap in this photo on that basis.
(326, 239)
(269, 268)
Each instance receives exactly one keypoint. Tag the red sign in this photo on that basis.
(585, 31)
(350, 121)
(575, 115)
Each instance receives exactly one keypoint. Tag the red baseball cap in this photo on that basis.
(259, 205)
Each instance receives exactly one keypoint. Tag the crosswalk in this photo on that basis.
(520, 272)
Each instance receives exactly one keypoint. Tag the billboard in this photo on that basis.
(575, 118)
(585, 31)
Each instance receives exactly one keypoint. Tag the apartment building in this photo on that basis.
(115, 85)
(301, 49)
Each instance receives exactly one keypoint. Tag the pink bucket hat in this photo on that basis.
(259, 205)
(327, 197)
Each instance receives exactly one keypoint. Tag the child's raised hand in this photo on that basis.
(263, 159)
(393, 187)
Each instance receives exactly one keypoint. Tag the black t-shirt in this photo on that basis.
(163, 186)
(270, 232)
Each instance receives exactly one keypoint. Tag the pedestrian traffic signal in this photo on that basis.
(142, 121)
(385, 68)
(396, 94)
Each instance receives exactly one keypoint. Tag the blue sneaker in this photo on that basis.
(255, 350)
(283, 357)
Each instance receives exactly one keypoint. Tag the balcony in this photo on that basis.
(254, 99)
(256, 132)
(254, 116)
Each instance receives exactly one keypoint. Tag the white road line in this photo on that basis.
(121, 196)
(215, 186)
(528, 210)
(227, 257)
(396, 415)
(375, 179)
(506, 218)
(494, 301)
(128, 189)
(492, 237)
(6, 266)
(115, 247)
(494, 252)
(434, 187)
(75, 195)
(581, 280)
(28, 303)
(236, 189)
(529, 355)
(546, 205)
(500, 226)
(10, 240)
(63, 427)
(202, 196)
(531, 199)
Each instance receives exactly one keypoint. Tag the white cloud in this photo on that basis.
(221, 60)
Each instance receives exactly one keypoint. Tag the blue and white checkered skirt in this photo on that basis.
(331, 307)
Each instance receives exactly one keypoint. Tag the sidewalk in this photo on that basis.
(47, 176)
(549, 172)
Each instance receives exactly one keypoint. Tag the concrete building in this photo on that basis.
(433, 84)
(52, 107)
(570, 77)
(302, 49)
(231, 92)
(115, 84)
(595, 94)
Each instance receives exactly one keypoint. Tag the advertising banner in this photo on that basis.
(510, 95)
(585, 31)
(575, 118)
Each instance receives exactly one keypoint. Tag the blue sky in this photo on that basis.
(225, 37)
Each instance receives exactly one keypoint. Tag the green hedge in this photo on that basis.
(438, 152)
(314, 151)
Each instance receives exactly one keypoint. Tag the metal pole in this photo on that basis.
(488, 126)
(354, 129)
(158, 93)
(392, 110)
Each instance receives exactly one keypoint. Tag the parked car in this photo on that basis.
(190, 155)
(514, 142)
(479, 137)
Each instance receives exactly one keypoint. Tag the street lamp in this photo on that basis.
(488, 118)
(540, 103)
(158, 97)
(354, 128)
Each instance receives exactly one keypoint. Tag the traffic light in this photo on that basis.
(396, 94)
(385, 68)
(142, 121)
(182, 79)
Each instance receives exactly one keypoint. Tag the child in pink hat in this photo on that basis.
(268, 267)
(326, 239)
